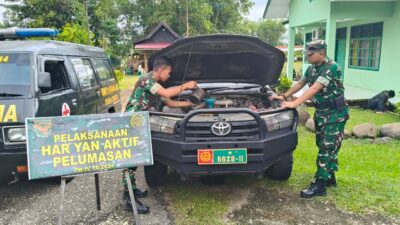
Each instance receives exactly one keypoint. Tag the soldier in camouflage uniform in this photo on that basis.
(326, 90)
(146, 93)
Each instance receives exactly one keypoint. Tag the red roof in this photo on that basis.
(152, 46)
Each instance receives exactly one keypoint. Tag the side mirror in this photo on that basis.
(44, 80)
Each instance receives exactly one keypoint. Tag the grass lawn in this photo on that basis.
(359, 116)
(368, 178)
(128, 82)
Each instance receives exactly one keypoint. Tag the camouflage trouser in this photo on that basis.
(132, 176)
(329, 138)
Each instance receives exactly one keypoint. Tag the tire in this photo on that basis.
(156, 175)
(212, 180)
(281, 170)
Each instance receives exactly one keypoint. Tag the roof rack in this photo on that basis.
(18, 33)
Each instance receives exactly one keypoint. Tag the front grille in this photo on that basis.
(201, 131)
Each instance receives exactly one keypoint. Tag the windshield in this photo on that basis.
(15, 74)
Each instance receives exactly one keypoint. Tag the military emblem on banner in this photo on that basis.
(42, 128)
(137, 121)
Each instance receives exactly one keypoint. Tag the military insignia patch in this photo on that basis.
(42, 128)
(137, 121)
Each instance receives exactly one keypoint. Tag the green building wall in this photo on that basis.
(388, 75)
(314, 14)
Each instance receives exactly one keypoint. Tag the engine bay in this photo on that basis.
(256, 102)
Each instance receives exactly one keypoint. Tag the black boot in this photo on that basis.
(332, 181)
(317, 188)
(138, 193)
(141, 208)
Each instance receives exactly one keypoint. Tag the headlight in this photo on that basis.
(16, 134)
(278, 120)
(163, 124)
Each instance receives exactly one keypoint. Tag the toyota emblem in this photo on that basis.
(221, 128)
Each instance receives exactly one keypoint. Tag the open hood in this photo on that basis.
(222, 58)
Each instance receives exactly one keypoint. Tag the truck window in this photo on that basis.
(15, 73)
(58, 75)
(104, 70)
(85, 73)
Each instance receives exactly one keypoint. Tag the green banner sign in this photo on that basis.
(59, 146)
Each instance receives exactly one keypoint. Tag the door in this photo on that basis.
(59, 99)
(89, 94)
(340, 52)
(110, 101)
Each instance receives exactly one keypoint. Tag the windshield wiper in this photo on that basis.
(9, 95)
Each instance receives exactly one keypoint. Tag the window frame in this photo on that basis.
(55, 59)
(370, 40)
(109, 80)
(83, 88)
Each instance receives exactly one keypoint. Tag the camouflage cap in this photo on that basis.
(315, 46)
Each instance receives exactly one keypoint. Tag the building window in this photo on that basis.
(308, 37)
(365, 46)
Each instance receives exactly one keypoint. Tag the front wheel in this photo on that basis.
(156, 174)
(281, 170)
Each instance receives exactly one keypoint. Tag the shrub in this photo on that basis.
(119, 74)
(397, 110)
(284, 84)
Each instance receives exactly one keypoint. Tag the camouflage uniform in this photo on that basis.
(329, 123)
(143, 97)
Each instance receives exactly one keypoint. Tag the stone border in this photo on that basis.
(365, 130)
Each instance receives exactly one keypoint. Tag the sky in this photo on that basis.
(256, 12)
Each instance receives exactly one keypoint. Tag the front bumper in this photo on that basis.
(261, 154)
(10, 158)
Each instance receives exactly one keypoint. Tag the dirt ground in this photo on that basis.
(38, 203)
(265, 206)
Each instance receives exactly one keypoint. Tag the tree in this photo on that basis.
(228, 13)
(299, 37)
(114, 25)
(50, 13)
(205, 16)
(246, 27)
(76, 34)
(271, 31)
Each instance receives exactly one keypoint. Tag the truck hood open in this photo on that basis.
(222, 58)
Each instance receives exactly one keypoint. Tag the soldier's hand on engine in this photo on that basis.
(288, 105)
(276, 97)
(190, 85)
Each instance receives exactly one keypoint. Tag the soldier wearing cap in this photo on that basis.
(324, 78)
(146, 93)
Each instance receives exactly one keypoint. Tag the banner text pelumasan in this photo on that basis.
(86, 147)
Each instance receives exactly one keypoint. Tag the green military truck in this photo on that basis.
(45, 79)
